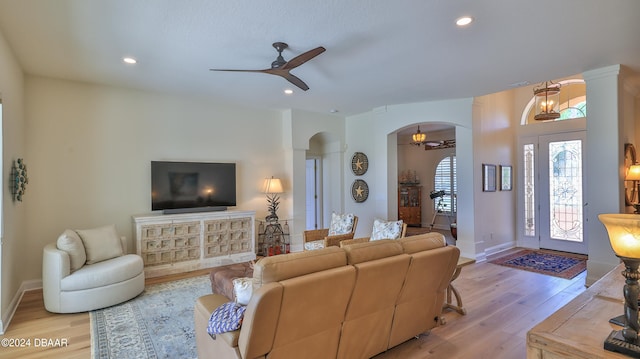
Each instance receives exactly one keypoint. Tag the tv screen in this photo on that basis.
(185, 186)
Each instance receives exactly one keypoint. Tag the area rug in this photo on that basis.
(558, 264)
(156, 324)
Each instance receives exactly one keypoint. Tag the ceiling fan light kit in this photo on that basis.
(281, 67)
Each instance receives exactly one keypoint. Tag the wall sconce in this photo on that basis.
(634, 175)
(19, 179)
(624, 236)
(272, 187)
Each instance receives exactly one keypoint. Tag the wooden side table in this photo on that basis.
(579, 329)
(458, 307)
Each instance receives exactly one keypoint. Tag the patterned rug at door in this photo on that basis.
(558, 264)
(156, 324)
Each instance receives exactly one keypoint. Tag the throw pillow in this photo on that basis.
(70, 242)
(242, 289)
(101, 243)
(312, 245)
(341, 223)
(386, 230)
(226, 318)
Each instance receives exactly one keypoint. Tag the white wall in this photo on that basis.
(90, 149)
(299, 127)
(374, 133)
(494, 143)
(13, 242)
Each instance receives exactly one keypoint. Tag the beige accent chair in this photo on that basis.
(314, 235)
(89, 269)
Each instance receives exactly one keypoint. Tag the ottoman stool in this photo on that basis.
(222, 278)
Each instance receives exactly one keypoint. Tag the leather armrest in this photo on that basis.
(55, 266)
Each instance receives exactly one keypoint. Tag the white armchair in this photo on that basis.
(89, 269)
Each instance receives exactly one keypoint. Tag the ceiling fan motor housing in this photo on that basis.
(279, 46)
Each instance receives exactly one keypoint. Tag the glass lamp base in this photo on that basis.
(616, 343)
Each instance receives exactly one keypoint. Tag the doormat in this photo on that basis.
(557, 264)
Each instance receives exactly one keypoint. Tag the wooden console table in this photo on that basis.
(579, 329)
(176, 243)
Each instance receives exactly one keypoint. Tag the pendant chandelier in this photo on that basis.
(547, 101)
(419, 138)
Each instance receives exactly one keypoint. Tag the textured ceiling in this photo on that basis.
(378, 52)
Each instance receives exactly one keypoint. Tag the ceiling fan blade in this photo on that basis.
(294, 80)
(231, 70)
(302, 58)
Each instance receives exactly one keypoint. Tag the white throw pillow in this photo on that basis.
(341, 223)
(386, 230)
(243, 288)
(313, 245)
(101, 243)
(70, 242)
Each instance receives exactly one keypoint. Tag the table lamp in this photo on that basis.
(624, 236)
(272, 187)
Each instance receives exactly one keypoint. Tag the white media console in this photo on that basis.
(175, 243)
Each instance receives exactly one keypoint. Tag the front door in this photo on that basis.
(554, 191)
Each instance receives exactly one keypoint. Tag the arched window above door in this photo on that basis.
(573, 102)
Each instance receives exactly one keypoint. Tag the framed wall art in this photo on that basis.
(506, 178)
(488, 178)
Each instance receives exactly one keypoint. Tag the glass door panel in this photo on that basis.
(561, 189)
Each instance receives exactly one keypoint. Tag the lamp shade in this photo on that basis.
(634, 173)
(624, 233)
(272, 185)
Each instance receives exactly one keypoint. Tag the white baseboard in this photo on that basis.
(482, 256)
(13, 306)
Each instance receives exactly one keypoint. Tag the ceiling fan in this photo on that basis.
(281, 68)
(436, 145)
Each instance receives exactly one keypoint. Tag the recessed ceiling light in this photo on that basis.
(333, 110)
(288, 91)
(129, 60)
(464, 21)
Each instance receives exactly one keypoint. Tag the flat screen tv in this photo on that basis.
(192, 186)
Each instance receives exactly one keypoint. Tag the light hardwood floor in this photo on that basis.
(502, 305)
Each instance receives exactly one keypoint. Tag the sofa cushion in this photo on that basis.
(101, 243)
(103, 273)
(422, 242)
(386, 229)
(70, 242)
(368, 251)
(285, 266)
(341, 223)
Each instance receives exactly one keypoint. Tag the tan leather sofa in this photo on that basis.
(351, 302)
